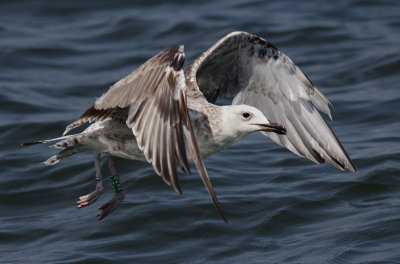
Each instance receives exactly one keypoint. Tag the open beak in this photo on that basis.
(272, 127)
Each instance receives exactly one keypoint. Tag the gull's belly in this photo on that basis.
(120, 142)
(130, 150)
(127, 148)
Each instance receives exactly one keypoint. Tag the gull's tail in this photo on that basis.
(44, 141)
(70, 144)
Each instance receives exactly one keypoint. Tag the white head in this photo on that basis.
(241, 120)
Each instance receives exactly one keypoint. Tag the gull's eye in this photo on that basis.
(246, 115)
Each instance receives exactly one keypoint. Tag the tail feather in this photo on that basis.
(70, 144)
(59, 156)
(31, 143)
(44, 141)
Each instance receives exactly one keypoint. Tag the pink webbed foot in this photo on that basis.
(111, 205)
(90, 198)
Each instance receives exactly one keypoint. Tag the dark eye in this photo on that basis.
(246, 114)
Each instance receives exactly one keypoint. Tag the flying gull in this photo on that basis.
(166, 116)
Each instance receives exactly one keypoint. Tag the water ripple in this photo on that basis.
(57, 57)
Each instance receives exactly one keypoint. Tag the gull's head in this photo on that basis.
(244, 119)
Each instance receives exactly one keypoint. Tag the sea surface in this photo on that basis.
(56, 57)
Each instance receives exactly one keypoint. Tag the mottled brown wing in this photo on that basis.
(152, 99)
(160, 123)
(141, 82)
(157, 123)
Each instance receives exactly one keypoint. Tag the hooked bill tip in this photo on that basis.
(272, 127)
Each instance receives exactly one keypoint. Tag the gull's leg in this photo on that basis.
(90, 198)
(111, 205)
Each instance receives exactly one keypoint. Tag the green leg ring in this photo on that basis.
(116, 183)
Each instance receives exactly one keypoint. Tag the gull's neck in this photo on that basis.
(212, 126)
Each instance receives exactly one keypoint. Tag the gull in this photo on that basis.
(166, 115)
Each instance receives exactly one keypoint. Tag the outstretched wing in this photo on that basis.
(154, 97)
(141, 82)
(254, 72)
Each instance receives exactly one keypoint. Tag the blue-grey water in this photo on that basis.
(56, 57)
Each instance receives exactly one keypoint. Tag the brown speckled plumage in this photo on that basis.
(159, 112)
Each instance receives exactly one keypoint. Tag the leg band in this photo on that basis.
(116, 183)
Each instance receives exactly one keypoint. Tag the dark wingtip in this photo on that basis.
(226, 220)
(218, 205)
(352, 167)
(178, 190)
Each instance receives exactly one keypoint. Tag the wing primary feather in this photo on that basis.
(179, 143)
(194, 150)
(138, 110)
(262, 76)
(350, 165)
(156, 148)
(149, 147)
(172, 164)
(162, 156)
(181, 150)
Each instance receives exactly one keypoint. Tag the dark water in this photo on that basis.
(57, 56)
